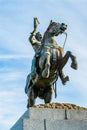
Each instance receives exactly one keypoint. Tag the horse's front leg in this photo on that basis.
(44, 64)
(46, 71)
(64, 60)
(74, 64)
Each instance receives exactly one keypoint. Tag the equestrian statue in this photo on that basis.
(47, 63)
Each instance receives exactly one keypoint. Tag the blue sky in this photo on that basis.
(16, 23)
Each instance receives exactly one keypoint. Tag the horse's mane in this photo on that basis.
(47, 31)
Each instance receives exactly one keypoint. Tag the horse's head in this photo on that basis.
(55, 29)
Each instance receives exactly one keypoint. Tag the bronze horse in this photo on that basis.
(49, 65)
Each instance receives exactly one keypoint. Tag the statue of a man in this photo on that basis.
(35, 39)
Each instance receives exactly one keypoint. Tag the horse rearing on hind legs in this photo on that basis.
(49, 65)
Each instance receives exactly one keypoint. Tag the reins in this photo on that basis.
(65, 39)
(55, 84)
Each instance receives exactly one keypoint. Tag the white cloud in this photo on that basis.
(11, 76)
(10, 56)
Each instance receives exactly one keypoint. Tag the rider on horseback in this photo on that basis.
(47, 64)
(35, 39)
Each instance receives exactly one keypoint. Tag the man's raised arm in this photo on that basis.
(32, 38)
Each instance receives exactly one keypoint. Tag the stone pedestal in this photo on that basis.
(52, 119)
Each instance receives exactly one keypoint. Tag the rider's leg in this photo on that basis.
(28, 83)
(34, 74)
(63, 78)
(33, 67)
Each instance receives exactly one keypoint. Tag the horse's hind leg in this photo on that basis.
(31, 98)
(48, 95)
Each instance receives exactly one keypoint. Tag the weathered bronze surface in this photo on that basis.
(48, 63)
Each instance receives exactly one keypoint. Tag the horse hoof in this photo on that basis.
(65, 80)
(74, 66)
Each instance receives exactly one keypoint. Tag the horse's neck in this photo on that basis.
(50, 42)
